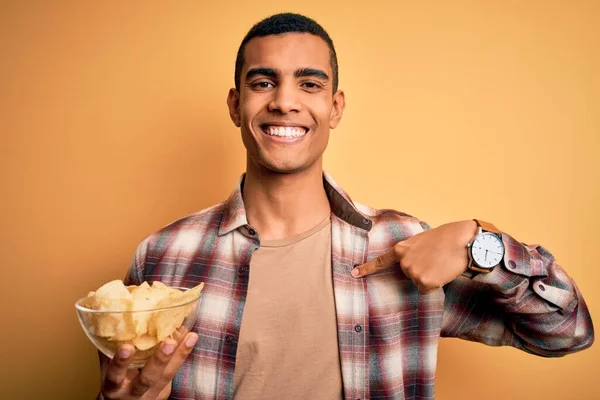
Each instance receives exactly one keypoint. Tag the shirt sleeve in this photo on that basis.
(528, 301)
(135, 274)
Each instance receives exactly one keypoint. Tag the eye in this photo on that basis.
(311, 86)
(262, 85)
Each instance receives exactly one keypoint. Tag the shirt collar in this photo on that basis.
(234, 215)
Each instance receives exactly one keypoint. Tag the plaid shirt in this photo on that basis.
(388, 333)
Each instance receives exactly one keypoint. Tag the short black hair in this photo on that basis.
(279, 24)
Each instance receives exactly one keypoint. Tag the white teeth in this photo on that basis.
(285, 131)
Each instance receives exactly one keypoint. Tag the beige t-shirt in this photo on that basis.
(288, 346)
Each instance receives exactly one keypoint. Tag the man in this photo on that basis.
(309, 295)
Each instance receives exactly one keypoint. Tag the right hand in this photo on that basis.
(154, 380)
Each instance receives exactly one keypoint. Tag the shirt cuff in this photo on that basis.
(524, 263)
(516, 267)
(518, 260)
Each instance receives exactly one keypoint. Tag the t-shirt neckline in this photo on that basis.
(298, 237)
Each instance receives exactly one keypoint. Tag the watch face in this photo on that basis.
(487, 250)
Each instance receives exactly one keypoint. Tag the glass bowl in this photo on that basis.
(177, 319)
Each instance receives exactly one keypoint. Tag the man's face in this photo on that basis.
(285, 106)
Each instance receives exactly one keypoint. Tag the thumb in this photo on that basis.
(383, 261)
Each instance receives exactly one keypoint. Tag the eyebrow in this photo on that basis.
(317, 73)
(271, 73)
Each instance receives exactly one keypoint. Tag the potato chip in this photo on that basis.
(192, 294)
(179, 333)
(144, 298)
(161, 287)
(165, 322)
(145, 342)
(134, 318)
(117, 326)
(113, 290)
(133, 288)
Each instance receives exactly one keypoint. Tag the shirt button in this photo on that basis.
(365, 221)
(542, 287)
(358, 328)
(512, 264)
(251, 231)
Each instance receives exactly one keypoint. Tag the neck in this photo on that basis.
(283, 205)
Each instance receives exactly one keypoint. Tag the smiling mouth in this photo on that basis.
(284, 131)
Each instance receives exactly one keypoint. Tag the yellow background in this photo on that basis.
(114, 123)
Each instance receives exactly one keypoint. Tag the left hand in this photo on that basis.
(154, 381)
(430, 259)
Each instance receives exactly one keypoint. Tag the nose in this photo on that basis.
(284, 99)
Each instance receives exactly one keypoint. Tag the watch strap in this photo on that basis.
(474, 267)
(487, 226)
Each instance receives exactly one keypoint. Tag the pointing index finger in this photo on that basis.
(383, 261)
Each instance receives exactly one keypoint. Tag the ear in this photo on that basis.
(339, 103)
(233, 102)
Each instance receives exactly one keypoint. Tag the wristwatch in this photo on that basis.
(486, 249)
